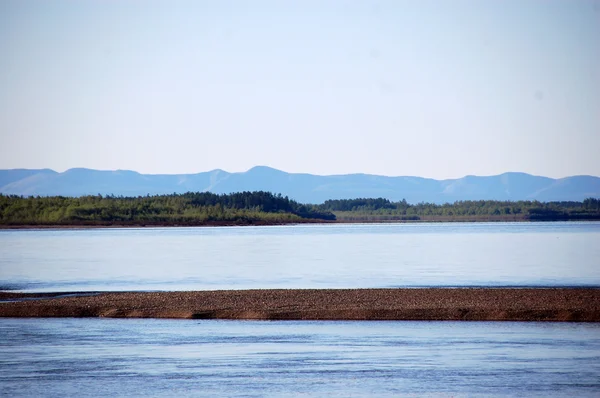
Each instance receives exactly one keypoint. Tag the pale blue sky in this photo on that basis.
(438, 89)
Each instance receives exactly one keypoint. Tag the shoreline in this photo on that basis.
(267, 224)
(157, 225)
(555, 304)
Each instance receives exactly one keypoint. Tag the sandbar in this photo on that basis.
(468, 304)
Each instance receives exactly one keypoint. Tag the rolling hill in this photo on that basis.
(305, 188)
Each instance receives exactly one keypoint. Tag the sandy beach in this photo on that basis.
(471, 304)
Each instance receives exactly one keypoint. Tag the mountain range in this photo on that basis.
(305, 188)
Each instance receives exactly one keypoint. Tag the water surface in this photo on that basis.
(116, 357)
(302, 256)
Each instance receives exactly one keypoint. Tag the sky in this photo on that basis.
(438, 89)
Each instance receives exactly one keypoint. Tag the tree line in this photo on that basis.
(242, 208)
(200, 208)
(384, 209)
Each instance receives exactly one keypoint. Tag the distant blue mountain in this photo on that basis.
(306, 188)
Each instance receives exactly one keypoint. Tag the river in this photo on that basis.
(151, 357)
(302, 256)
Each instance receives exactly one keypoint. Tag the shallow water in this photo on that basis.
(129, 357)
(303, 256)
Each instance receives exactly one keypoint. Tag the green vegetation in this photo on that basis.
(246, 208)
(186, 209)
(481, 210)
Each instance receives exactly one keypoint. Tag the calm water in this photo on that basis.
(112, 357)
(315, 256)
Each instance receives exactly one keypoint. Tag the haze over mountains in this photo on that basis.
(306, 188)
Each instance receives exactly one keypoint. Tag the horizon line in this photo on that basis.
(297, 173)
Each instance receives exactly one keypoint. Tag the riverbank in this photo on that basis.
(265, 208)
(471, 304)
(106, 225)
(428, 220)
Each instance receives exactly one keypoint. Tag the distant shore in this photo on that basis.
(266, 208)
(469, 304)
(429, 220)
(158, 225)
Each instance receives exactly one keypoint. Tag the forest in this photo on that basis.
(201, 208)
(261, 208)
(480, 210)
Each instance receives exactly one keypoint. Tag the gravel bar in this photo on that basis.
(469, 304)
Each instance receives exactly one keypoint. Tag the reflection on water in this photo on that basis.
(112, 357)
(304, 256)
